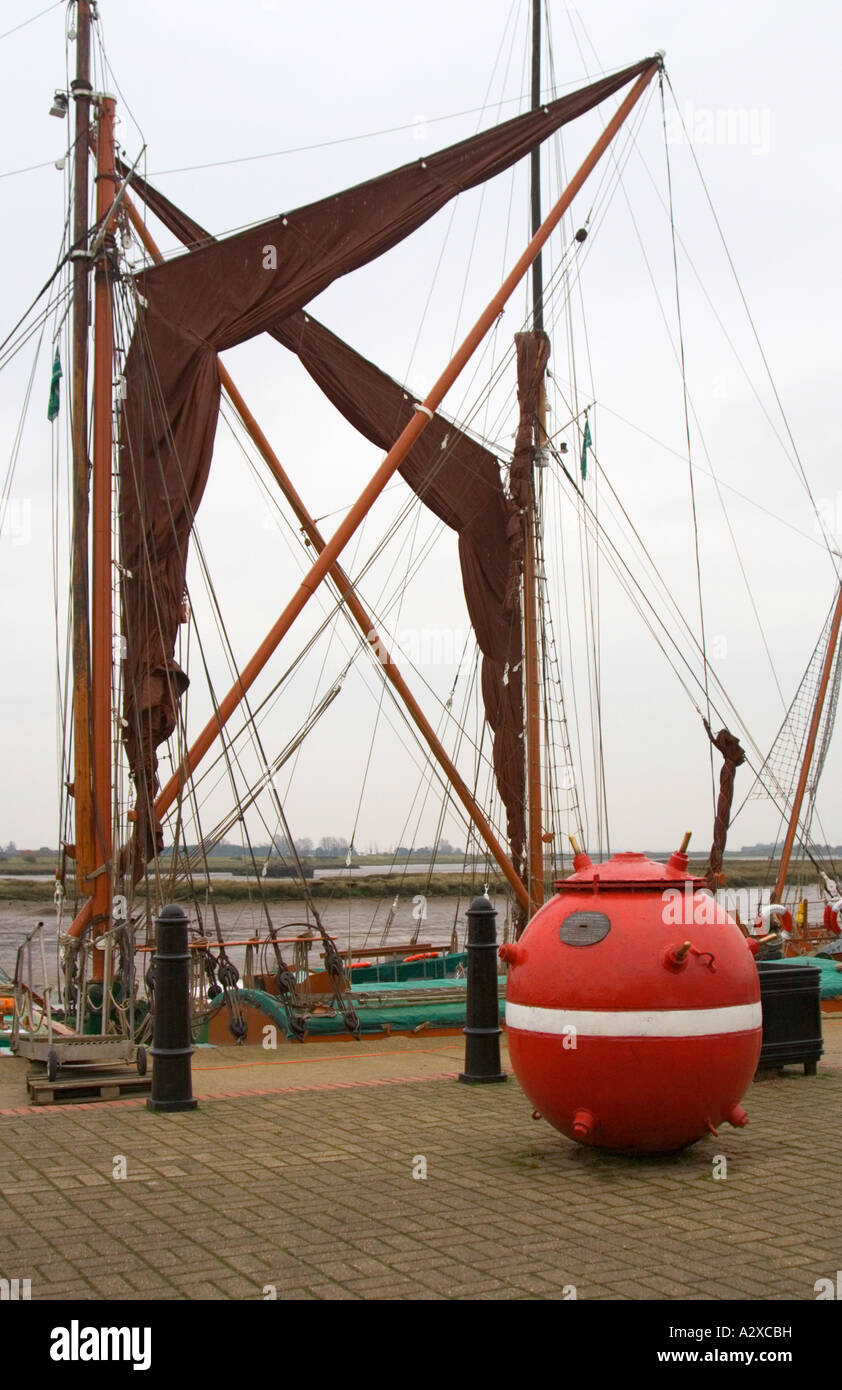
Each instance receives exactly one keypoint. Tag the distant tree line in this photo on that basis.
(328, 847)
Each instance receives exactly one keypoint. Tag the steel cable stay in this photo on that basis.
(423, 771)
(726, 487)
(556, 730)
(726, 514)
(710, 472)
(624, 576)
(426, 780)
(686, 409)
(795, 460)
(564, 590)
(634, 584)
(666, 593)
(710, 303)
(667, 207)
(221, 829)
(800, 466)
(430, 772)
(17, 439)
(570, 267)
(348, 139)
(480, 111)
(644, 553)
(591, 613)
(568, 270)
(461, 728)
(401, 595)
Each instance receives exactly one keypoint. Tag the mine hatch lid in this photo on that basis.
(629, 872)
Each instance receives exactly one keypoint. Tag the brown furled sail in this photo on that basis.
(533, 354)
(221, 294)
(457, 479)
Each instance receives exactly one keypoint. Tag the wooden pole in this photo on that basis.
(102, 603)
(535, 173)
(79, 582)
(532, 672)
(810, 749)
(395, 456)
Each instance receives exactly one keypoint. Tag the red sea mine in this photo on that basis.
(633, 1007)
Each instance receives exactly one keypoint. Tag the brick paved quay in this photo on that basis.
(302, 1178)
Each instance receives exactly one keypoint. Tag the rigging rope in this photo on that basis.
(685, 401)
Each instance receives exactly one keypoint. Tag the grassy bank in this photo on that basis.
(375, 886)
(740, 873)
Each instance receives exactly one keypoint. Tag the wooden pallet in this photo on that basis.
(81, 1085)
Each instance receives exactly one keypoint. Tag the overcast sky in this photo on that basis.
(208, 84)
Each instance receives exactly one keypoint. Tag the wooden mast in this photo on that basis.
(812, 735)
(102, 598)
(82, 788)
(531, 608)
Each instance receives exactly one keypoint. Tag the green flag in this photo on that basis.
(586, 443)
(55, 388)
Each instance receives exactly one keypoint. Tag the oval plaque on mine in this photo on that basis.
(584, 928)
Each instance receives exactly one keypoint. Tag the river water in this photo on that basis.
(352, 922)
(396, 869)
(355, 922)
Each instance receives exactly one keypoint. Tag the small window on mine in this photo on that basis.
(584, 928)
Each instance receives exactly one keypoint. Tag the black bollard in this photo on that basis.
(482, 1030)
(172, 1082)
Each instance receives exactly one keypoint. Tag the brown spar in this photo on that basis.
(395, 455)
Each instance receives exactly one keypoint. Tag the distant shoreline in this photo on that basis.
(740, 873)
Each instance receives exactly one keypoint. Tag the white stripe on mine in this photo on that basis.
(653, 1023)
